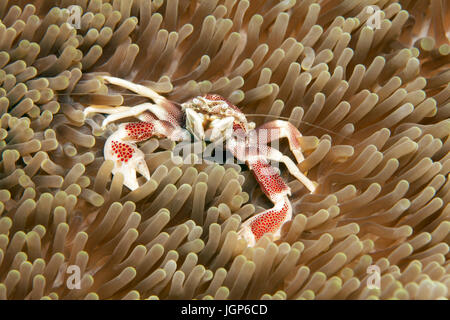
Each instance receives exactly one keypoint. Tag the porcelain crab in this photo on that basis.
(209, 118)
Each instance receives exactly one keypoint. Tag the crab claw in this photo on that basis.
(270, 220)
(128, 160)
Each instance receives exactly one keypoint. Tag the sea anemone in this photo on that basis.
(372, 103)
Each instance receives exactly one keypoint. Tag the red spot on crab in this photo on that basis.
(140, 130)
(122, 150)
(271, 221)
(276, 190)
(269, 179)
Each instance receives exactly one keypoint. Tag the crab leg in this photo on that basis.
(278, 129)
(104, 109)
(275, 155)
(146, 92)
(128, 160)
(273, 186)
(121, 147)
(277, 191)
(138, 88)
(162, 119)
(257, 157)
(141, 111)
(163, 108)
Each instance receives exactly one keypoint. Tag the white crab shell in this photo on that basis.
(211, 120)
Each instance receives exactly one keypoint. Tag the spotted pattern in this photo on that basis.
(275, 189)
(174, 114)
(270, 221)
(123, 151)
(140, 130)
(269, 179)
